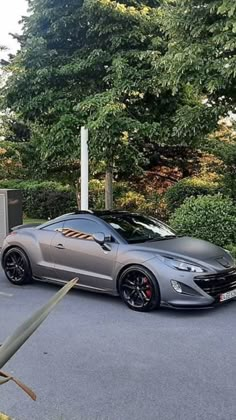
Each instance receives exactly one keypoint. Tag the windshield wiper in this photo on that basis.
(142, 240)
(163, 238)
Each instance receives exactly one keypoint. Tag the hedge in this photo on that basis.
(44, 200)
(189, 187)
(48, 199)
(212, 218)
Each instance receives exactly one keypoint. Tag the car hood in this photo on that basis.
(188, 248)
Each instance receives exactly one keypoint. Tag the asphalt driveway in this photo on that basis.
(93, 358)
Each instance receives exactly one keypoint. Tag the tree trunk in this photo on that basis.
(108, 188)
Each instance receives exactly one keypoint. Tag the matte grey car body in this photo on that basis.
(169, 270)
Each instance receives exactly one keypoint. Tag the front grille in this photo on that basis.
(216, 284)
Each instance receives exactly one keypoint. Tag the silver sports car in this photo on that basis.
(121, 253)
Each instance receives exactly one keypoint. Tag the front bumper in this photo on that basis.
(200, 291)
(215, 285)
(188, 301)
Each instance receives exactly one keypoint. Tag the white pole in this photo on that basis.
(84, 168)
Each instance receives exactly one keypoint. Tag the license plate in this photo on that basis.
(228, 295)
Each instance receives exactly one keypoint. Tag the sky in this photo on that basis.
(10, 14)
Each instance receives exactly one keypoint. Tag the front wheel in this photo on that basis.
(17, 267)
(139, 289)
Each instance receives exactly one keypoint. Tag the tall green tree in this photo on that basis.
(202, 48)
(12, 129)
(96, 62)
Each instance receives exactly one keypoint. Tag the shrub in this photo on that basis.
(232, 249)
(96, 194)
(34, 185)
(189, 187)
(45, 204)
(229, 187)
(212, 218)
(120, 188)
(10, 159)
(49, 199)
(44, 200)
(133, 201)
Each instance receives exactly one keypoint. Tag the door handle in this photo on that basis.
(59, 246)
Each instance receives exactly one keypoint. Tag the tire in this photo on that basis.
(17, 267)
(139, 290)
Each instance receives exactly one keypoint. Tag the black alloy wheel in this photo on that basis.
(17, 267)
(139, 289)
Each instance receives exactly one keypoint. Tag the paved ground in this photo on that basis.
(93, 358)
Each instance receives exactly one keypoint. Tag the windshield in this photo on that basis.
(137, 228)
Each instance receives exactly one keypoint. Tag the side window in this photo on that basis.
(54, 226)
(83, 225)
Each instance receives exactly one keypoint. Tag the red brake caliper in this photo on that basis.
(148, 292)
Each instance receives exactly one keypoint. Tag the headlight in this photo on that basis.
(182, 265)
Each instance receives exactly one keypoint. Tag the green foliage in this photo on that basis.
(230, 184)
(201, 47)
(222, 144)
(27, 221)
(44, 200)
(96, 63)
(44, 204)
(11, 164)
(97, 192)
(212, 218)
(12, 129)
(189, 187)
(127, 198)
(35, 185)
(134, 201)
(48, 199)
(140, 74)
(232, 249)
(131, 201)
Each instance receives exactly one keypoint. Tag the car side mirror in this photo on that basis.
(100, 238)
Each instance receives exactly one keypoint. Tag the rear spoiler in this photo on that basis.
(28, 225)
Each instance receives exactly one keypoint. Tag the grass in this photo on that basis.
(27, 220)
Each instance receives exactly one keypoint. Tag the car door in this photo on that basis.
(84, 257)
(43, 267)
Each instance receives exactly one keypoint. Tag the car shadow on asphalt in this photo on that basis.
(182, 312)
(163, 311)
(104, 298)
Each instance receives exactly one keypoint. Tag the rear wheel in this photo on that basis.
(17, 267)
(139, 289)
